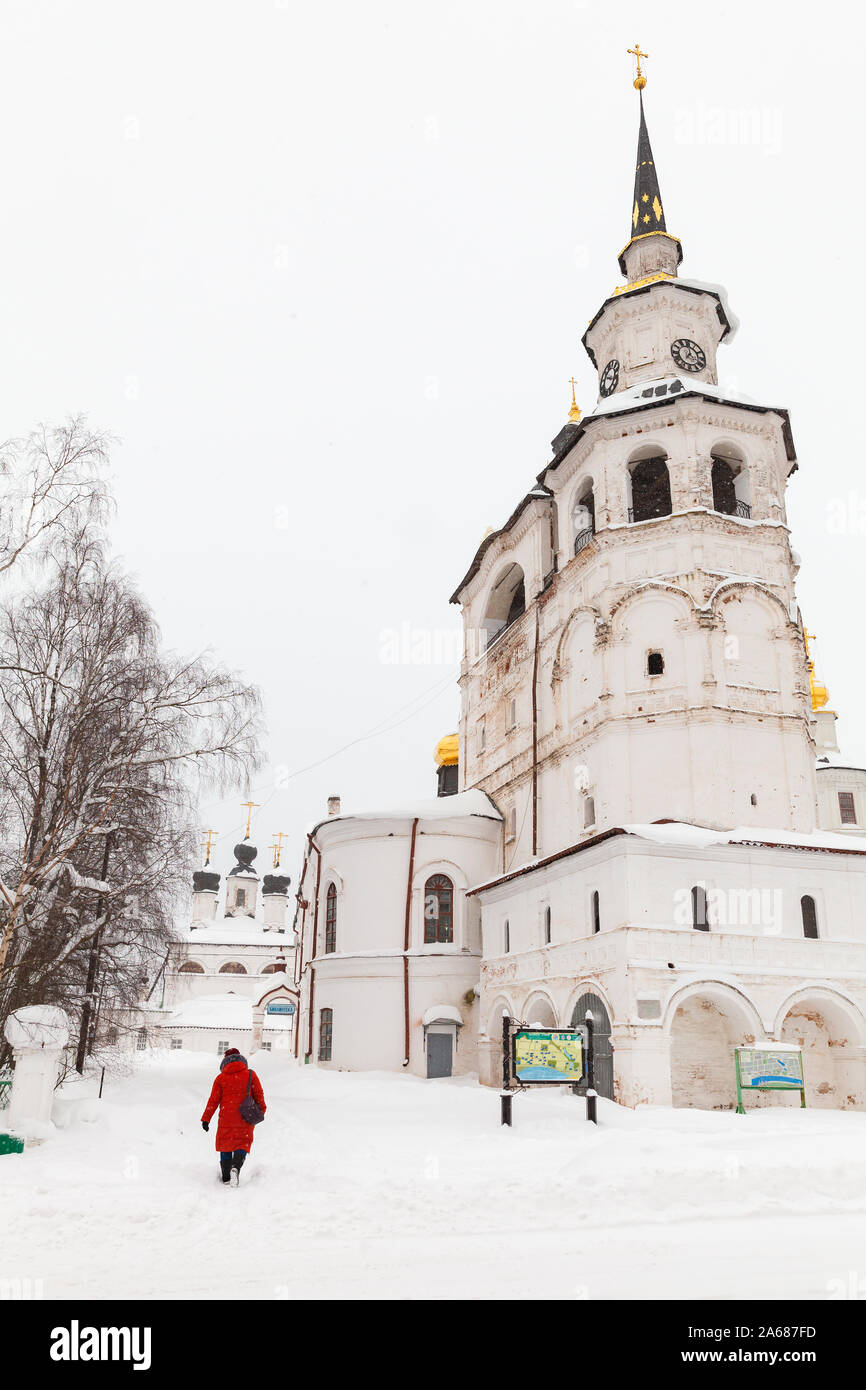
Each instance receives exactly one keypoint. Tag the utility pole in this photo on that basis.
(92, 967)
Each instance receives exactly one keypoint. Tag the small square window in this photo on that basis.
(846, 808)
(266, 1047)
(223, 1045)
(176, 1044)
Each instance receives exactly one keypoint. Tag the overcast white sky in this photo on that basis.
(324, 268)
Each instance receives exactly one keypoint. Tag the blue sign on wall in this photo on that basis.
(281, 1006)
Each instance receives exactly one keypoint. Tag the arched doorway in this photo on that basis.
(602, 1053)
(705, 1029)
(829, 1034)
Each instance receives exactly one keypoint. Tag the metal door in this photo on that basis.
(602, 1055)
(439, 1050)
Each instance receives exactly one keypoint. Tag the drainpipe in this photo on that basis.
(535, 739)
(406, 932)
(314, 846)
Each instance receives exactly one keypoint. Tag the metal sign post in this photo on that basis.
(546, 1057)
(590, 1078)
(769, 1068)
(505, 1098)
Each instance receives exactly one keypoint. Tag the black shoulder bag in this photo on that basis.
(251, 1112)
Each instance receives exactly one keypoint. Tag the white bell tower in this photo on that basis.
(654, 666)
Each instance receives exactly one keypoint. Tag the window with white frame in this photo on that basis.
(176, 1044)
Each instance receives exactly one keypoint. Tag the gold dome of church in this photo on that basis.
(446, 751)
(817, 689)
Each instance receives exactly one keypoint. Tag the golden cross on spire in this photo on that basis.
(277, 846)
(207, 842)
(251, 806)
(574, 413)
(640, 80)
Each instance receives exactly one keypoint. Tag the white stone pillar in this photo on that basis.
(37, 1036)
(642, 1066)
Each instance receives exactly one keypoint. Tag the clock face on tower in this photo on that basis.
(610, 377)
(688, 356)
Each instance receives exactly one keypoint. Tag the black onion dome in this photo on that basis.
(245, 853)
(275, 885)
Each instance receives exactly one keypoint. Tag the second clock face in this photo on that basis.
(688, 356)
(609, 377)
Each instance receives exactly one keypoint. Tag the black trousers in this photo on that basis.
(231, 1160)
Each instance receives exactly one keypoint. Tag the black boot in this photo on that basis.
(226, 1169)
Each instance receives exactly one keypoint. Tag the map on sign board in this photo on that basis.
(547, 1056)
(759, 1067)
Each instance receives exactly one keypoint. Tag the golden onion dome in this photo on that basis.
(446, 751)
(820, 693)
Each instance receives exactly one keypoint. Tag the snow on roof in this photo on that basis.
(442, 1013)
(221, 1011)
(682, 835)
(471, 803)
(254, 935)
(666, 387)
(833, 759)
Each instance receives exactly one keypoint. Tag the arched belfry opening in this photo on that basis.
(729, 482)
(583, 516)
(649, 486)
(506, 602)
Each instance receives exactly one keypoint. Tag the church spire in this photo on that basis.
(647, 212)
(640, 257)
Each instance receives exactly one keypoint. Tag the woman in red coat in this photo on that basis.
(234, 1136)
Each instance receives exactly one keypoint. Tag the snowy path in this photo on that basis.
(372, 1186)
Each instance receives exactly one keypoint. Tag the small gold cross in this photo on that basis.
(207, 842)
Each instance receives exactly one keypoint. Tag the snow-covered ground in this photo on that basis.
(381, 1186)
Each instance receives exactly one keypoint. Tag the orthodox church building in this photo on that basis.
(229, 980)
(649, 815)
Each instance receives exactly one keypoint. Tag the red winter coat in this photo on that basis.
(229, 1089)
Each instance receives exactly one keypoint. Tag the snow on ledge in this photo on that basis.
(37, 1026)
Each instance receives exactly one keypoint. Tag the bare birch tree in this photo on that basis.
(104, 741)
(52, 483)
